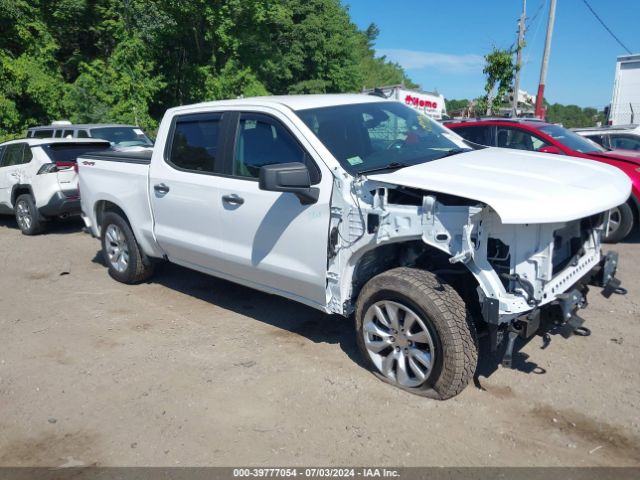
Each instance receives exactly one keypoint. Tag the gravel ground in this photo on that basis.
(191, 370)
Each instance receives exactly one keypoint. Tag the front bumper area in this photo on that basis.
(560, 315)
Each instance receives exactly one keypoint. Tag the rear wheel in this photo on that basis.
(415, 332)
(126, 262)
(28, 217)
(620, 223)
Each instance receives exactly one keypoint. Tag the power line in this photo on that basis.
(606, 28)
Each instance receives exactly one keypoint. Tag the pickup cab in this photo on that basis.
(363, 207)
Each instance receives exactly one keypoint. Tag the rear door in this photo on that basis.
(11, 168)
(184, 190)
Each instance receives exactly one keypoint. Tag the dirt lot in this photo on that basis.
(191, 370)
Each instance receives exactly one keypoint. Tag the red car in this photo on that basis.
(535, 135)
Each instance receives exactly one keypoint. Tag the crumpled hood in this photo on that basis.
(522, 187)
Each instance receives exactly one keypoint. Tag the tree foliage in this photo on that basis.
(572, 116)
(130, 60)
(499, 70)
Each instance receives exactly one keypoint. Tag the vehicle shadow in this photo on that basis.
(633, 237)
(58, 226)
(276, 311)
(489, 362)
(314, 325)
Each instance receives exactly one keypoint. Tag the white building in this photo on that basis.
(625, 102)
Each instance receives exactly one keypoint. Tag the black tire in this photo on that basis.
(29, 219)
(624, 221)
(444, 315)
(138, 267)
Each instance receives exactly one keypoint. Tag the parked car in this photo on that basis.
(619, 137)
(39, 179)
(535, 135)
(356, 205)
(120, 136)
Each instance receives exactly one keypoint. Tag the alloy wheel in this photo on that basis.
(398, 343)
(117, 248)
(23, 215)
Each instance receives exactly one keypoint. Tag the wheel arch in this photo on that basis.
(417, 254)
(20, 189)
(635, 207)
(104, 206)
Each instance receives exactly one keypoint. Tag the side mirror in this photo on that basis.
(289, 177)
(550, 149)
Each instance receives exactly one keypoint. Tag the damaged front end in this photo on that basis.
(533, 277)
(530, 277)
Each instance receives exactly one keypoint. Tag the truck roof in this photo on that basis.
(294, 102)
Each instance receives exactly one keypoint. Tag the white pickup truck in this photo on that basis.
(361, 206)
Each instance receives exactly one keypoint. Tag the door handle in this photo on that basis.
(233, 199)
(161, 188)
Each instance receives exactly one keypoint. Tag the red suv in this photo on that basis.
(535, 135)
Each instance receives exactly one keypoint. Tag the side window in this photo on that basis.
(194, 145)
(480, 134)
(42, 133)
(83, 134)
(13, 154)
(2, 149)
(67, 134)
(27, 155)
(262, 141)
(625, 142)
(519, 139)
(599, 139)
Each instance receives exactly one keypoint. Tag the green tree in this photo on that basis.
(499, 70)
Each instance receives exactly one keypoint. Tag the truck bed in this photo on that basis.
(118, 180)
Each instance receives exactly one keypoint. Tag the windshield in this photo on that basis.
(571, 140)
(370, 136)
(122, 136)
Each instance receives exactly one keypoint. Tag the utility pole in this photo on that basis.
(545, 61)
(516, 83)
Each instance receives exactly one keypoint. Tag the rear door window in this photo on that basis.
(42, 133)
(599, 139)
(480, 134)
(13, 155)
(195, 143)
(508, 137)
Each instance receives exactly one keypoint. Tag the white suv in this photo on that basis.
(39, 179)
(617, 137)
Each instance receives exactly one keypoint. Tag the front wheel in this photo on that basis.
(620, 223)
(415, 332)
(126, 262)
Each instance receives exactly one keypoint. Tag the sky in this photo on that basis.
(441, 44)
